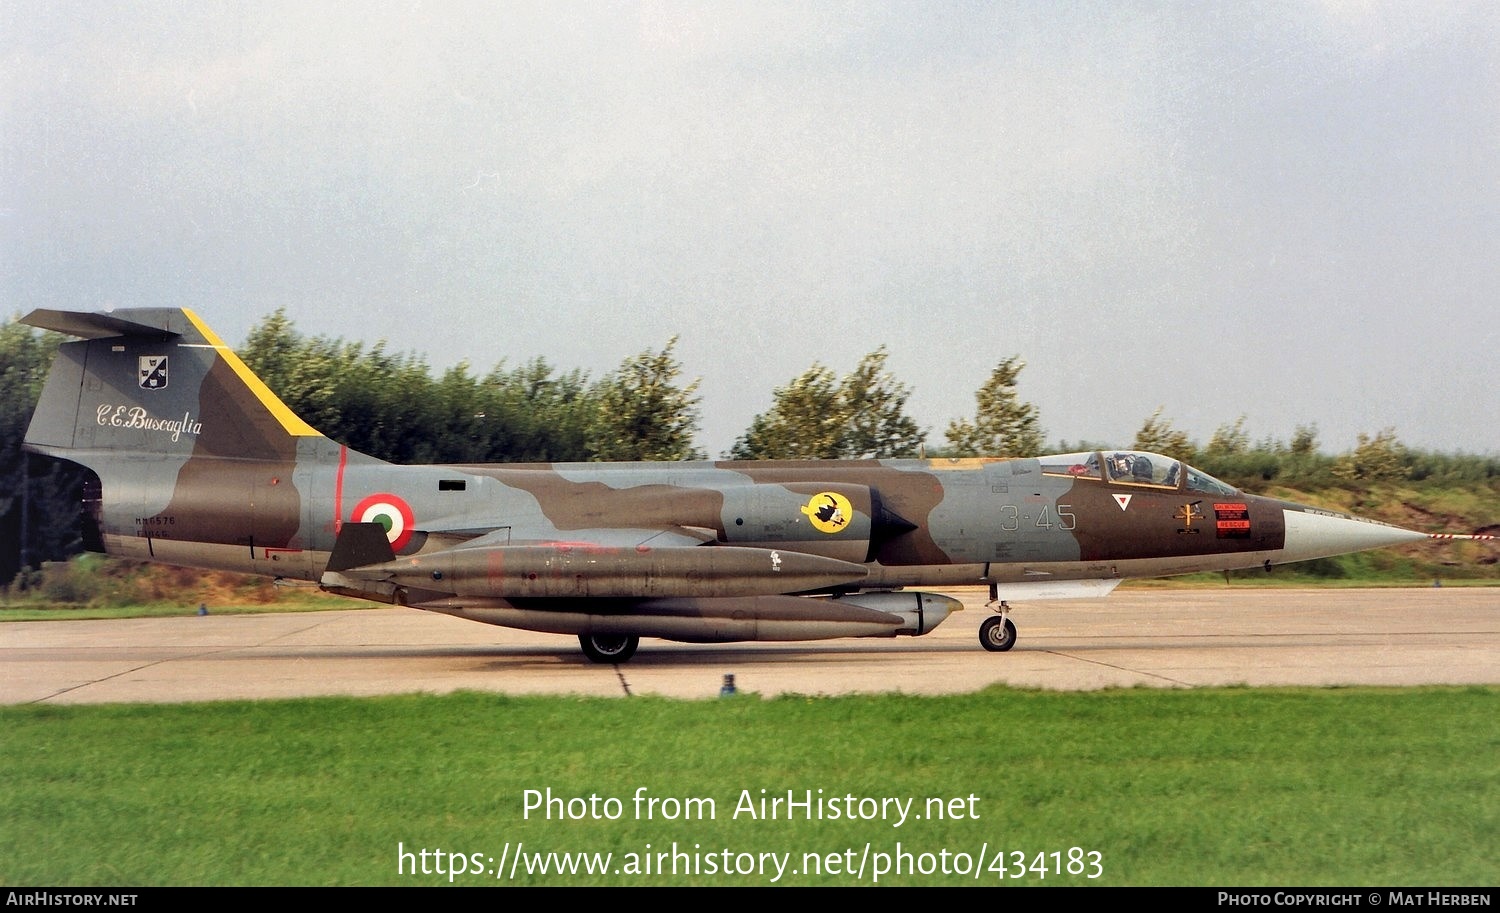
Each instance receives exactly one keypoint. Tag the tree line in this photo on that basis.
(390, 405)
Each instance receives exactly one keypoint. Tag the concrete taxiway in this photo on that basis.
(1169, 638)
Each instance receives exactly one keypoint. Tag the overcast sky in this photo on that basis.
(1283, 211)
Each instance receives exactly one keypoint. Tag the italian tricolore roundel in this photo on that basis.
(392, 513)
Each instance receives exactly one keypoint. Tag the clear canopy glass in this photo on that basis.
(1133, 467)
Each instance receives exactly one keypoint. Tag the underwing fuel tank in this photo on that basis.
(575, 571)
(705, 620)
(919, 612)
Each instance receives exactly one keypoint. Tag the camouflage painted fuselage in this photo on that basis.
(199, 464)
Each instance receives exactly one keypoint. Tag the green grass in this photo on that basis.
(1356, 786)
(54, 612)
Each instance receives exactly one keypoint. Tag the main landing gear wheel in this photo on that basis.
(609, 648)
(997, 634)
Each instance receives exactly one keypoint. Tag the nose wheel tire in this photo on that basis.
(608, 648)
(997, 634)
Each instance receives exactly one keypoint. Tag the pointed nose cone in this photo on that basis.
(1320, 534)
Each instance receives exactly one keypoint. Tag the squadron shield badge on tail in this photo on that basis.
(153, 372)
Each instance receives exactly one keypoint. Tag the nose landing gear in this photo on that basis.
(997, 634)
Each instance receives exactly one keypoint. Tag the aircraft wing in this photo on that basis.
(1085, 588)
(607, 537)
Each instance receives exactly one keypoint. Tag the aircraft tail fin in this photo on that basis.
(154, 382)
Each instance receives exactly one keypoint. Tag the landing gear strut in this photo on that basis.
(997, 634)
(608, 648)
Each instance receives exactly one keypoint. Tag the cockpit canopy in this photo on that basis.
(1132, 467)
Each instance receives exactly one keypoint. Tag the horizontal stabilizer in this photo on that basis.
(98, 325)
